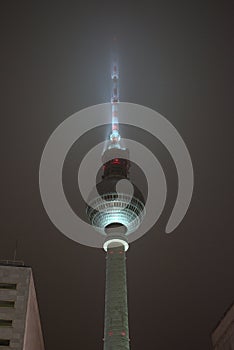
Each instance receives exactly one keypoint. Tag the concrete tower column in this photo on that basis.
(116, 332)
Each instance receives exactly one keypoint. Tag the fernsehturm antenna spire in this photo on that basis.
(115, 136)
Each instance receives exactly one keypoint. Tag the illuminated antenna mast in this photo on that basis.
(115, 136)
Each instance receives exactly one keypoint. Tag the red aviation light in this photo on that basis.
(123, 333)
(116, 161)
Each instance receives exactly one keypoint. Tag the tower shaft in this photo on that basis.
(116, 333)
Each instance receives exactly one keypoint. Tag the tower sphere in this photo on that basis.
(112, 208)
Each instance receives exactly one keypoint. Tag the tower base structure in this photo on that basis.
(116, 330)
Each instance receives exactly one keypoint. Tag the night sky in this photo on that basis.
(176, 58)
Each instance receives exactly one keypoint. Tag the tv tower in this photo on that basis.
(115, 207)
(115, 214)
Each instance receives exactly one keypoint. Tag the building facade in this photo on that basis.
(223, 335)
(20, 327)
